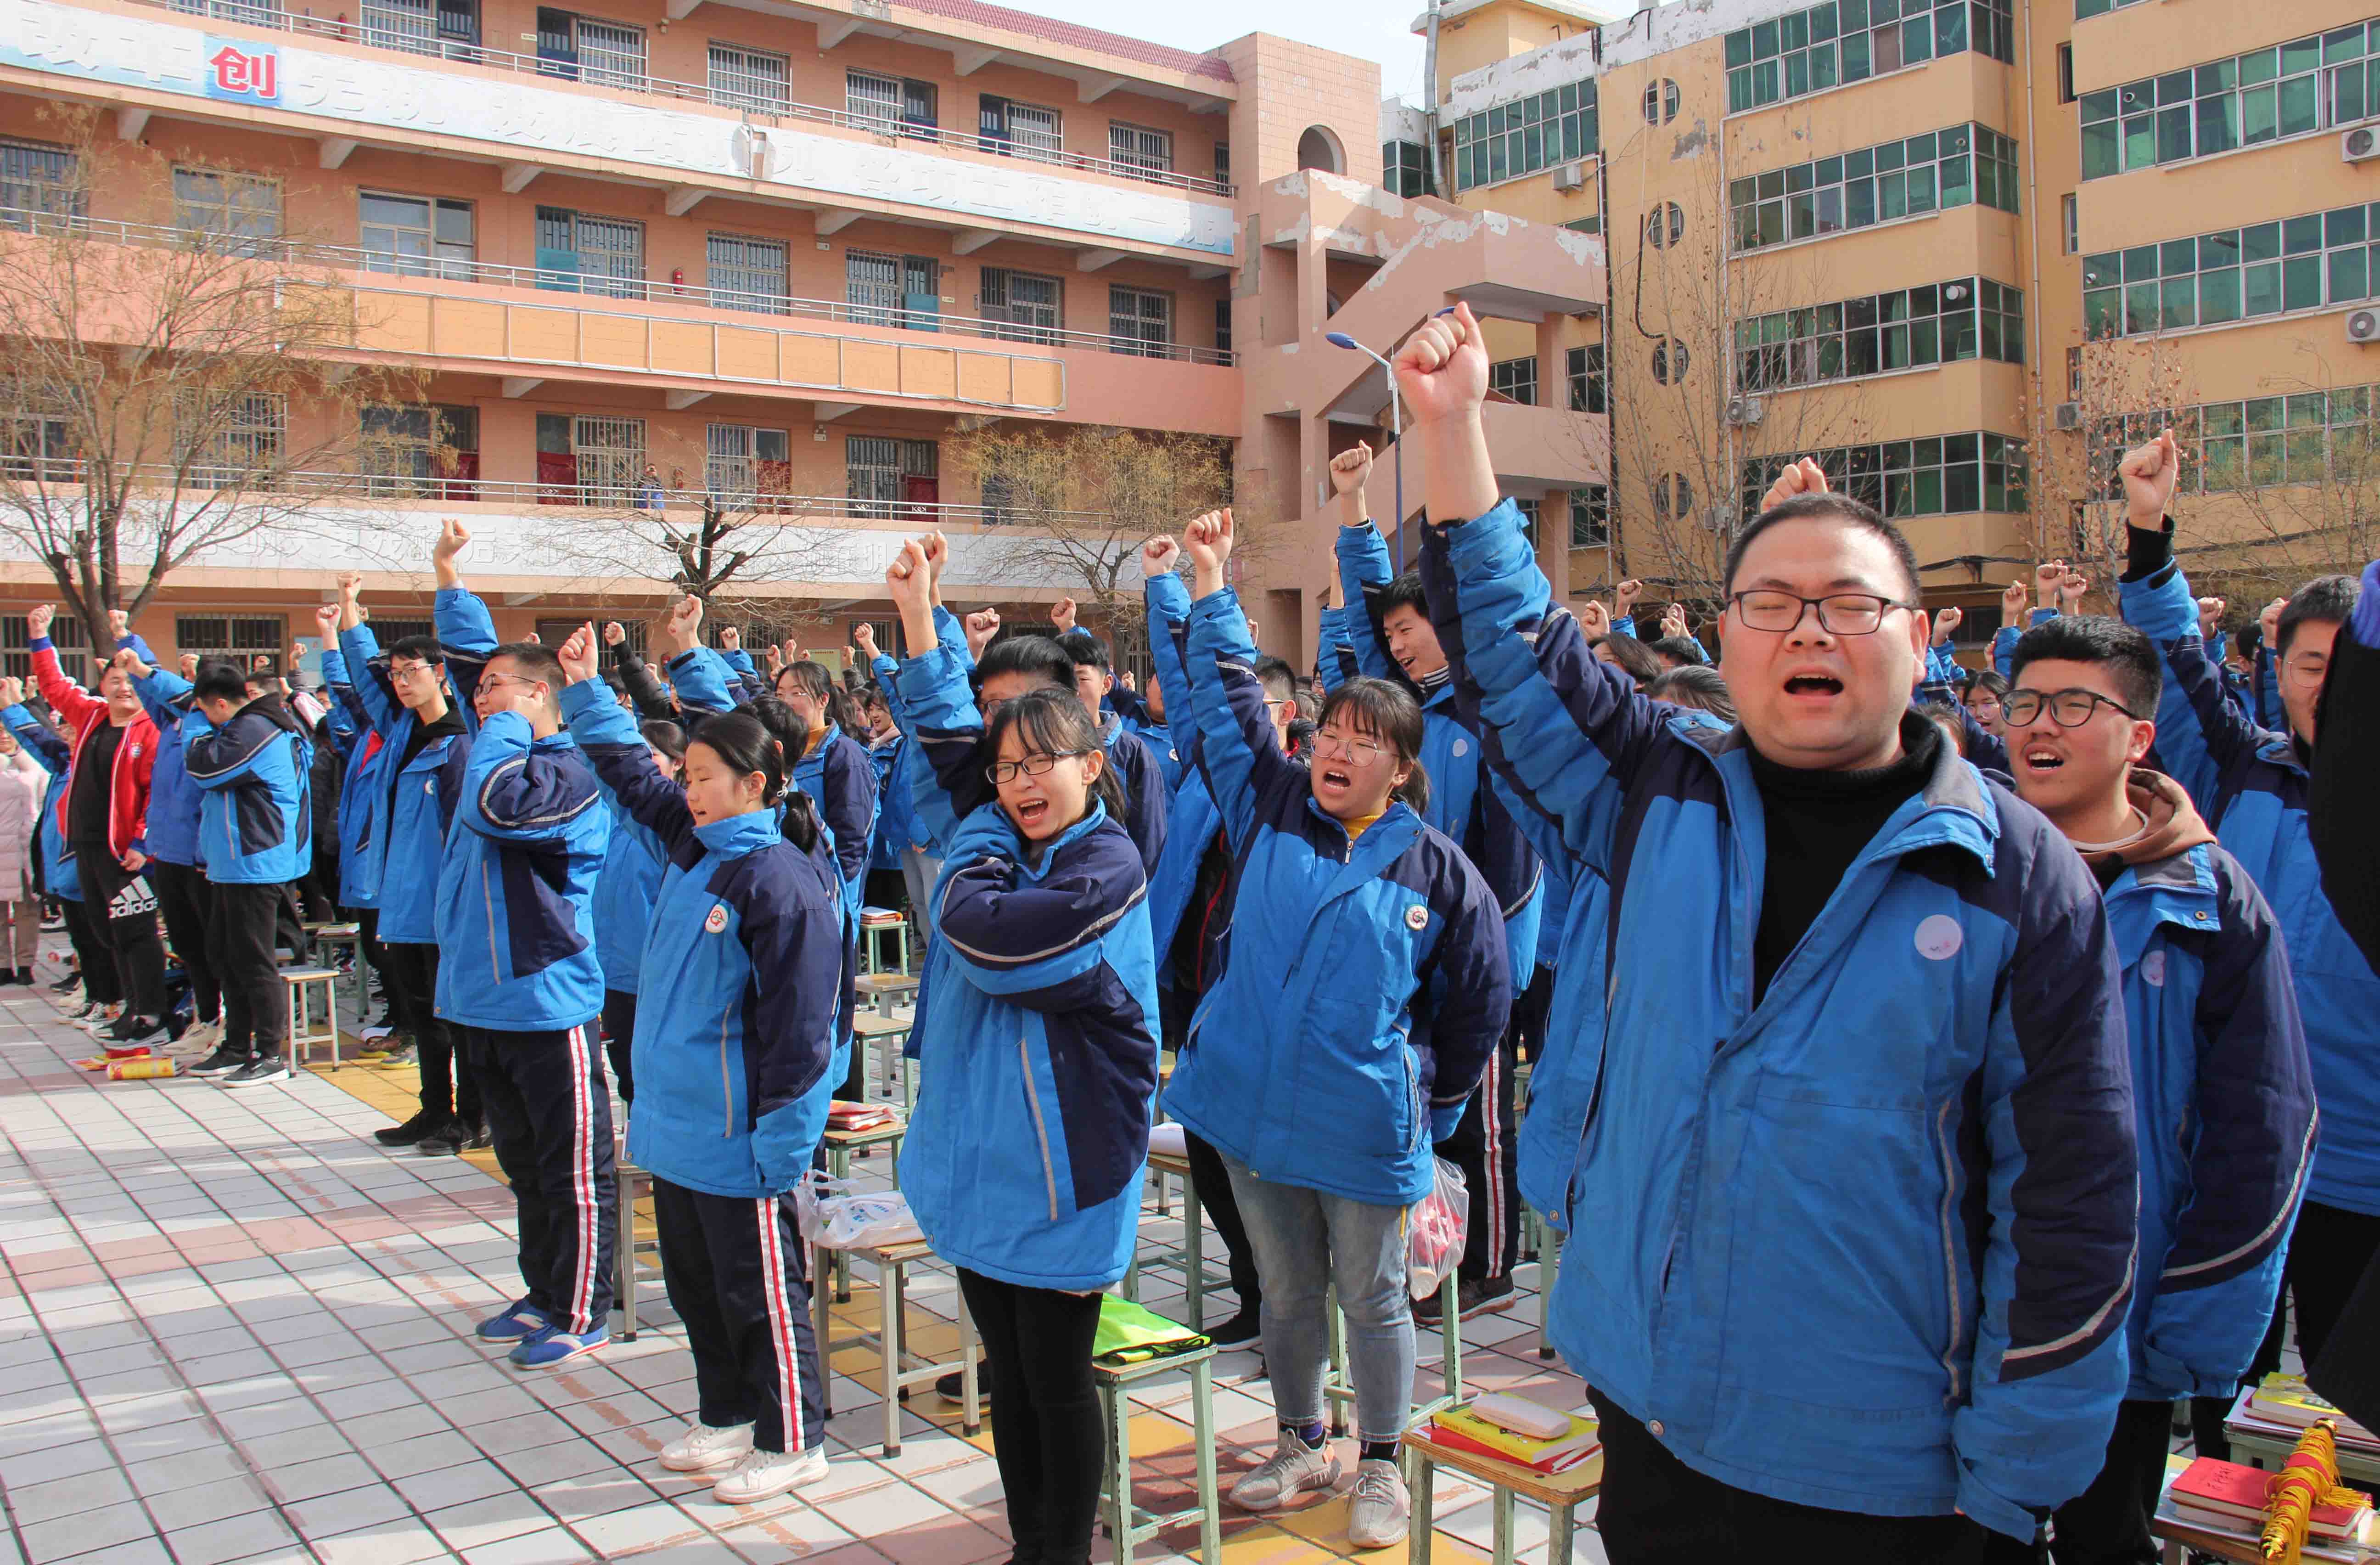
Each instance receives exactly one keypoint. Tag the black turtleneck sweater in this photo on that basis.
(1819, 821)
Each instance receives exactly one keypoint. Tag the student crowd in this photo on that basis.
(1945, 1075)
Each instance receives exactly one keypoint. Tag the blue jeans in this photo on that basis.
(1305, 1241)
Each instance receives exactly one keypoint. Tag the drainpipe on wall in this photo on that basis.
(1429, 102)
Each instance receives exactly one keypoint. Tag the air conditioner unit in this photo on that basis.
(1571, 176)
(2359, 144)
(2363, 326)
(1744, 412)
(2068, 416)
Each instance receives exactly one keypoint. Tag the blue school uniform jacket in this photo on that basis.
(1364, 984)
(2226, 1112)
(255, 775)
(1192, 821)
(364, 759)
(1037, 1023)
(60, 877)
(173, 823)
(625, 888)
(748, 965)
(2250, 783)
(1865, 1240)
(1463, 801)
(401, 840)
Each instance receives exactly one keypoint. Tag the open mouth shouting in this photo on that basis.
(1813, 684)
(1031, 813)
(2040, 760)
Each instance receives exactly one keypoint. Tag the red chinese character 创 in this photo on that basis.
(253, 74)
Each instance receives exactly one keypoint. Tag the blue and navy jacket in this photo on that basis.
(1464, 801)
(1864, 1240)
(400, 837)
(1040, 991)
(1365, 983)
(1145, 797)
(626, 887)
(899, 826)
(1193, 823)
(516, 879)
(173, 798)
(883, 853)
(60, 877)
(365, 755)
(2226, 1112)
(747, 978)
(2251, 784)
(1133, 708)
(256, 772)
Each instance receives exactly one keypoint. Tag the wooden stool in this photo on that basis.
(350, 936)
(1339, 1391)
(627, 1272)
(1559, 1493)
(1127, 1522)
(304, 988)
(879, 990)
(870, 1029)
(898, 928)
(839, 1147)
(901, 1368)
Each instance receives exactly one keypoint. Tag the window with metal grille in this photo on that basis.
(873, 100)
(235, 638)
(410, 25)
(244, 210)
(1029, 305)
(1878, 334)
(1024, 130)
(1516, 378)
(1943, 474)
(1223, 329)
(37, 178)
(1141, 320)
(1140, 149)
(748, 78)
(66, 634)
(232, 443)
(1222, 163)
(611, 455)
(872, 287)
(262, 13)
(611, 55)
(1590, 516)
(602, 255)
(747, 274)
(1514, 139)
(37, 441)
(417, 450)
(414, 236)
(743, 463)
(882, 473)
(1586, 383)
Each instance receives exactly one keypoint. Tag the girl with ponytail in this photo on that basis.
(632, 862)
(744, 988)
(829, 764)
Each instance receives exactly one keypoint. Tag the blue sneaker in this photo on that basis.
(517, 1321)
(554, 1346)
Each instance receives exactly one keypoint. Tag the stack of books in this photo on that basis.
(2287, 1399)
(879, 918)
(2227, 1498)
(842, 1116)
(1463, 1429)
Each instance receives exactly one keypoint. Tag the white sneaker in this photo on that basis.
(703, 1447)
(1294, 1468)
(1378, 1506)
(199, 1040)
(101, 1019)
(766, 1475)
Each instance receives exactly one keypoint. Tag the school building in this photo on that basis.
(1970, 248)
(767, 248)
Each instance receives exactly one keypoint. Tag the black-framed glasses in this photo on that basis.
(1839, 614)
(1031, 767)
(2068, 709)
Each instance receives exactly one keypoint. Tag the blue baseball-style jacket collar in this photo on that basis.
(740, 834)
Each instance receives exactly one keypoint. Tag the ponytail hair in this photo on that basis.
(1391, 715)
(1052, 722)
(747, 743)
(818, 683)
(666, 737)
(786, 735)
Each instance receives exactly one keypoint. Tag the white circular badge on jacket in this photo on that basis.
(1418, 917)
(718, 918)
(1939, 937)
(2153, 970)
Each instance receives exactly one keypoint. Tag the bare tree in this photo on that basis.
(167, 390)
(2119, 392)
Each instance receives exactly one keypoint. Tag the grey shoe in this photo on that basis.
(1378, 1509)
(1294, 1468)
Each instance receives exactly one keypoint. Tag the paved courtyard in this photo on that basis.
(232, 1327)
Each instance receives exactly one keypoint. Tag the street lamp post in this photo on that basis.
(1396, 426)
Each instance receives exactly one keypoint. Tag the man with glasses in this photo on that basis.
(2222, 1093)
(1858, 1159)
(2251, 785)
(410, 802)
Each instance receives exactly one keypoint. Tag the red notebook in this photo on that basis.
(2226, 1488)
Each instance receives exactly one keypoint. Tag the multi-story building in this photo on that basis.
(1964, 248)
(784, 249)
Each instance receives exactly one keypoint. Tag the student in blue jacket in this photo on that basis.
(1389, 624)
(2220, 1083)
(1026, 1154)
(747, 971)
(1859, 1154)
(517, 976)
(60, 880)
(252, 763)
(365, 753)
(901, 831)
(631, 878)
(1365, 986)
(2251, 784)
(176, 871)
(1138, 765)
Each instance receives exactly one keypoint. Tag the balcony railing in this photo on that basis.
(352, 258)
(755, 103)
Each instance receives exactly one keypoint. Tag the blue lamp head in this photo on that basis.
(1340, 339)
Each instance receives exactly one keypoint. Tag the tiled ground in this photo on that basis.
(232, 1327)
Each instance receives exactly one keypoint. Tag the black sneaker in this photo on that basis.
(223, 1062)
(447, 1140)
(400, 1052)
(1481, 1296)
(480, 1140)
(258, 1070)
(131, 1032)
(63, 985)
(410, 1132)
(1238, 1331)
(949, 1389)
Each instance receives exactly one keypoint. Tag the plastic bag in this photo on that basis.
(835, 1217)
(1434, 1231)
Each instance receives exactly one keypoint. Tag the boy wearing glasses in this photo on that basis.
(519, 979)
(2252, 785)
(2220, 1085)
(1860, 1156)
(408, 800)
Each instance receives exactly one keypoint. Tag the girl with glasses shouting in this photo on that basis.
(1365, 984)
(1036, 1034)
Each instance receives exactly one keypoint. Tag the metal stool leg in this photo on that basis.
(624, 1248)
(1194, 1245)
(1202, 1426)
(822, 1326)
(890, 1277)
(1119, 1496)
(1422, 1488)
(970, 1408)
